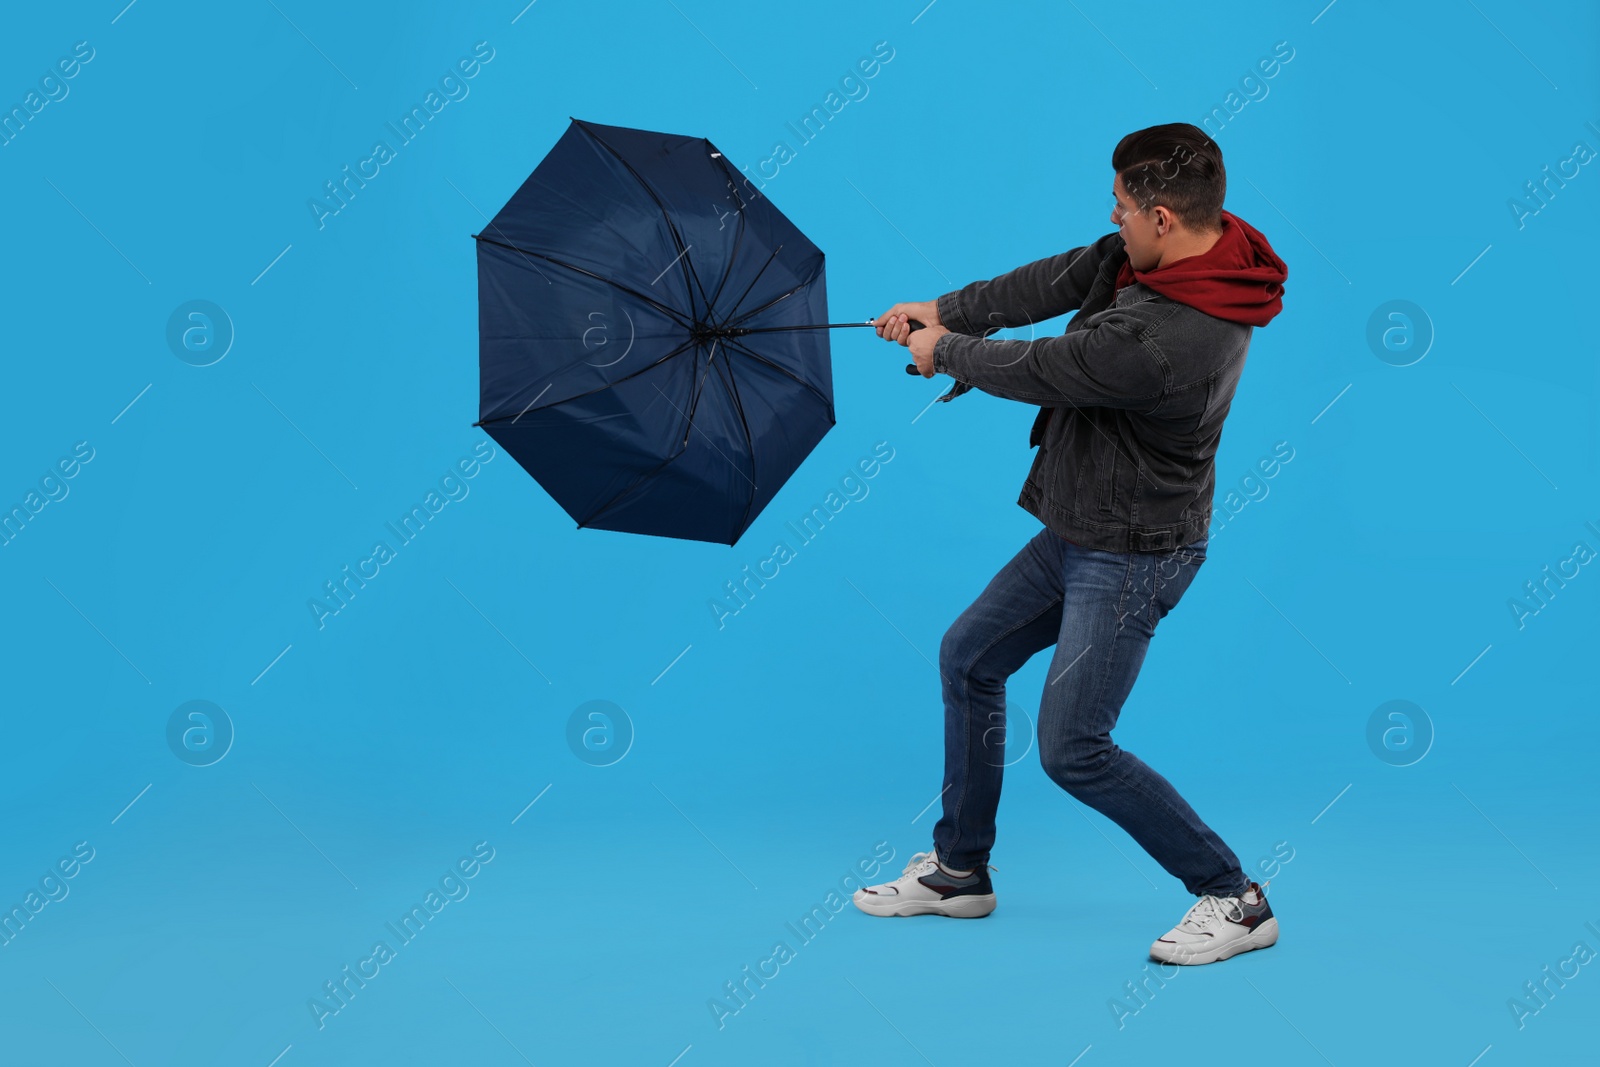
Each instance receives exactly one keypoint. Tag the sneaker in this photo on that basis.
(1219, 927)
(927, 887)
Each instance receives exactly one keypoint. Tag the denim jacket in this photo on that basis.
(1132, 396)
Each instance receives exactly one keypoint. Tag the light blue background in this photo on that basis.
(777, 751)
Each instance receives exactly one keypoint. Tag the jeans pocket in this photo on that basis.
(1173, 572)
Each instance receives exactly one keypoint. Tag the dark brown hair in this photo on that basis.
(1177, 166)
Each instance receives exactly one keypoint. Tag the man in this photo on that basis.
(1132, 401)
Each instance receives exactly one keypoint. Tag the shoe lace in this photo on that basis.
(1209, 908)
(1204, 912)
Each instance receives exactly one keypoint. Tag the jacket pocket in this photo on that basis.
(1040, 431)
(1106, 494)
(1106, 464)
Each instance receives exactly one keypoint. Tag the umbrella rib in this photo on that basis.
(727, 269)
(688, 264)
(687, 323)
(683, 447)
(781, 370)
(591, 392)
(587, 212)
(644, 476)
(638, 480)
(694, 402)
(752, 285)
(749, 445)
(774, 300)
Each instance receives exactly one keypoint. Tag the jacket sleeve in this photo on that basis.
(1104, 365)
(1031, 293)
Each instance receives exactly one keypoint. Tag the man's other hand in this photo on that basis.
(921, 344)
(895, 325)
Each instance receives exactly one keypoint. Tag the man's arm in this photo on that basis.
(1104, 365)
(1031, 293)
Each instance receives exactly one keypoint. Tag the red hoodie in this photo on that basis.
(1240, 278)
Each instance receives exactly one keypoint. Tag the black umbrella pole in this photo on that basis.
(911, 368)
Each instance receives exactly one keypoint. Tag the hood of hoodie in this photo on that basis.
(1240, 278)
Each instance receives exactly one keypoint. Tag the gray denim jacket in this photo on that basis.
(1132, 395)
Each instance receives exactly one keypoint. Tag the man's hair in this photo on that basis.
(1177, 166)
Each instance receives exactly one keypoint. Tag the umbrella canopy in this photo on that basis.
(648, 331)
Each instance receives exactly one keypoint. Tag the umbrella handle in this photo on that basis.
(911, 368)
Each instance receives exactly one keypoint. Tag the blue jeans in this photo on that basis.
(1099, 609)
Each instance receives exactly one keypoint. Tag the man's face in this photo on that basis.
(1136, 226)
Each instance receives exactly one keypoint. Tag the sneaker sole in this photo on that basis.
(965, 907)
(1264, 936)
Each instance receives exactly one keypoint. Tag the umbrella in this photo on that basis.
(653, 343)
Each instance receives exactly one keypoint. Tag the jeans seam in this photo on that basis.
(1172, 813)
(1153, 617)
(966, 735)
(1105, 675)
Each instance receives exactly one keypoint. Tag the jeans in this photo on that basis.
(1099, 609)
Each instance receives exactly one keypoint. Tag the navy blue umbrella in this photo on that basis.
(653, 343)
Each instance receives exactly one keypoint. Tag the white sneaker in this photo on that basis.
(927, 887)
(1219, 927)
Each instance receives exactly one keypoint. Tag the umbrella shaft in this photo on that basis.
(740, 331)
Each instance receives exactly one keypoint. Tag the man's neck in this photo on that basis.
(1193, 245)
